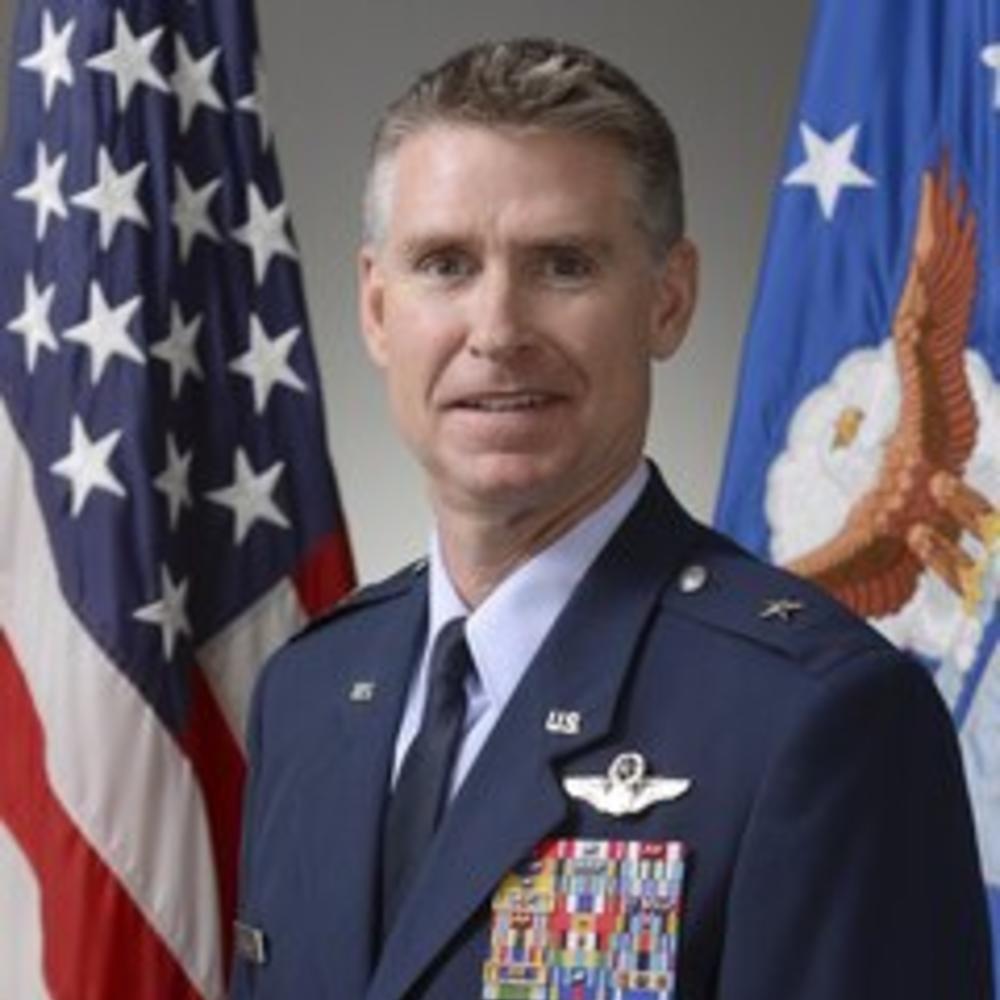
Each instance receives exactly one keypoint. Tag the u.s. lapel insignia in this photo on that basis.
(563, 722)
(625, 790)
(362, 692)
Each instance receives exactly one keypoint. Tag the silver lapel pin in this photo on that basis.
(782, 608)
(563, 722)
(625, 790)
(362, 691)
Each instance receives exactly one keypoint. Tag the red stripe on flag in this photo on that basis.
(326, 574)
(220, 768)
(97, 944)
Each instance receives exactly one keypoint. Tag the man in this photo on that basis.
(593, 749)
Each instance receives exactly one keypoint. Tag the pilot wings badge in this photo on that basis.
(625, 790)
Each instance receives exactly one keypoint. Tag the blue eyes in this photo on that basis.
(567, 265)
(554, 265)
(446, 265)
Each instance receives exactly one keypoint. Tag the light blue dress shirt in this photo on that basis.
(506, 630)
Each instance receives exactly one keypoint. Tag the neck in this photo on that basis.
(482, 546)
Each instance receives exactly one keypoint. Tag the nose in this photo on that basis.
(498, 325)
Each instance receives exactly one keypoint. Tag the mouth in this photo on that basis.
(506, 402)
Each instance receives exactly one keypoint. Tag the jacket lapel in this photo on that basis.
(512, 797)
(341, 798)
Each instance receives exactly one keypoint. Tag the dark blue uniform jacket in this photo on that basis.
(830, 849)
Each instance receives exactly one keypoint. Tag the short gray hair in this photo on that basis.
(538, 84)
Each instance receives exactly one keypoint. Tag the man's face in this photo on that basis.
(515, 306)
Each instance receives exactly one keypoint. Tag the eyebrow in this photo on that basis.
(415, 246)
(595, 246)
(421, 243)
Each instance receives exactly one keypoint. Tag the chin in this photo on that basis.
(506, 481)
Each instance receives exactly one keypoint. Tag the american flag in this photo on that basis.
(167, 512)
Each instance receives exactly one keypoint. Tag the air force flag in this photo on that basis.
(865, 448)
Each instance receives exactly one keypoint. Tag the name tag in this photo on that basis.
(250, 942)
(588, 920)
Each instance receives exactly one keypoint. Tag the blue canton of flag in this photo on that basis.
(865, 447)
(168, 511)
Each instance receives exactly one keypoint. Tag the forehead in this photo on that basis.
(447, 175)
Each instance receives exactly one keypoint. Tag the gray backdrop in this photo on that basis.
(726, 72)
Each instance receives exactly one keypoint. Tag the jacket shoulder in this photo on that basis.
(726, 588)
(368, 597)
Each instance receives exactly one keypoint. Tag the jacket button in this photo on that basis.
(692, 579)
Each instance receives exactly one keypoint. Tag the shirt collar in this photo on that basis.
(506, 630)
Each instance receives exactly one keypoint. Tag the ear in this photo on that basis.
(371, 304)
(676, 299)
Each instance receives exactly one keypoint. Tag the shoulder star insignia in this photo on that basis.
(782, 608)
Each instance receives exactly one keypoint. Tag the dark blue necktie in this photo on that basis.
(418, 801)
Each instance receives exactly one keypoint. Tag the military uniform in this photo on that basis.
(712, 782)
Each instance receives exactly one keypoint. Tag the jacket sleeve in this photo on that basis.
(858, 874)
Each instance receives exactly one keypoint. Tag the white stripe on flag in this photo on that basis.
(20, 955)
(119, 774)
(232, 660)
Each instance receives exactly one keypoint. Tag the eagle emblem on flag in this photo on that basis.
(910, 513)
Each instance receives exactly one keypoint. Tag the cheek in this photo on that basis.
(405, 400)
(406, 382)
(611, 344)
(417, 352)
(420, 325)
(617, 367)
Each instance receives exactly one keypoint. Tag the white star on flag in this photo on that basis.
(168, 612)
(113, 197)
(178, 349)
(828, 167)
(990, 56)
(266, 363)
(190, 212)
(105, 332)
(85, 465)
(45, 190)
(255, 103)
(51, 59)
(130, 61)
(33, 323)
(192, 82)
(249, 496)
(172, 482)
(264, 232)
